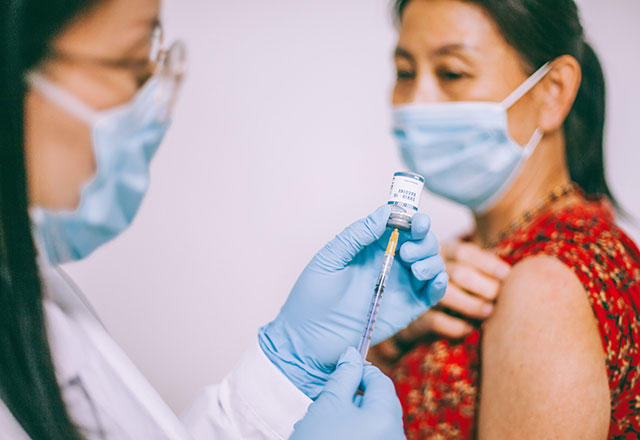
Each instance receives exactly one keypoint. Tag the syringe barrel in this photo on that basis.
(374, 308)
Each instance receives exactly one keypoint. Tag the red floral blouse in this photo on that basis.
(437, 381)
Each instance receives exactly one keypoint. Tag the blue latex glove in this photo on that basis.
(327, 308)
(339, 414)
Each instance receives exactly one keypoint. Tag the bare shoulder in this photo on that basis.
(543, 367)
(544, 285)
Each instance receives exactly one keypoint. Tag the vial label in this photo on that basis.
(406, 190)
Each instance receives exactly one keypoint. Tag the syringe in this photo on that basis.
(389, 255)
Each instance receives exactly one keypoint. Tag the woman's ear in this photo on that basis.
(558, 92)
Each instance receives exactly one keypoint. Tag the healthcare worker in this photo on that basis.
(84, 108)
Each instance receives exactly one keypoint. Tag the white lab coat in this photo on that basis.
(110, 399)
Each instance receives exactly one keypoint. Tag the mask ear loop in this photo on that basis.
(533, 143)
(526, 86)
(518, 93)
(61, 97)
(531, 146)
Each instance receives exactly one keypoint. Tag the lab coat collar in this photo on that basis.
(67, 342)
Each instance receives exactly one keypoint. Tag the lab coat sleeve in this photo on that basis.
(255, 401)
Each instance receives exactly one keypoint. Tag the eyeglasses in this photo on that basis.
(168, 63)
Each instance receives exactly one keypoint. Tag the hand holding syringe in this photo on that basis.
(404, 199)
(327, 307)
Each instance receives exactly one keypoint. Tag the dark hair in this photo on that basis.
(28, 384)
(541, 31)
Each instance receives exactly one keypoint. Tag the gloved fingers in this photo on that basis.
(420, 226)
(340, 251)
(428, 268)
(344, 381)
(379, 391)
(413, 251)
(435, 289)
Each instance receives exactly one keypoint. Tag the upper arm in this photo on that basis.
(543, 365)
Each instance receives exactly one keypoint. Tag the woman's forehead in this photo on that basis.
(438, 23)
(111, 27)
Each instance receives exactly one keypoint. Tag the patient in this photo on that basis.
(558, 355)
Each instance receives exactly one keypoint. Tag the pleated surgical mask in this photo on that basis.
(463, 149)
(124, 141)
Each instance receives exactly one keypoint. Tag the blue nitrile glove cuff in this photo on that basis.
(276, 345)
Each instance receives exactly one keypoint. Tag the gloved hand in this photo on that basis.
(327, 308)
(340, 415)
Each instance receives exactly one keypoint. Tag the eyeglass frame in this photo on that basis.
(170, 63)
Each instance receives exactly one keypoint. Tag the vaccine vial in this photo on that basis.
(404, 199)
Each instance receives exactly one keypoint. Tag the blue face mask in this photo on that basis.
(124, 140)
(463, 149)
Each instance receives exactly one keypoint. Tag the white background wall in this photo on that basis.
(281, 139)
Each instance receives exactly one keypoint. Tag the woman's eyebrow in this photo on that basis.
(403, 53)
(452, 48)
(447, 49)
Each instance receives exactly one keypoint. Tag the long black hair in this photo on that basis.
(28, 384)
(540, 31)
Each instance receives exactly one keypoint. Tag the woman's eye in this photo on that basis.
(450, 75)
(404, 75)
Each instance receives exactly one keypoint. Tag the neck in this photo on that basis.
(545, 170)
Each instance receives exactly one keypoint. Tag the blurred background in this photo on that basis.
(280, 140)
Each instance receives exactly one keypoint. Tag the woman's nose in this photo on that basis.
(425, 90)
